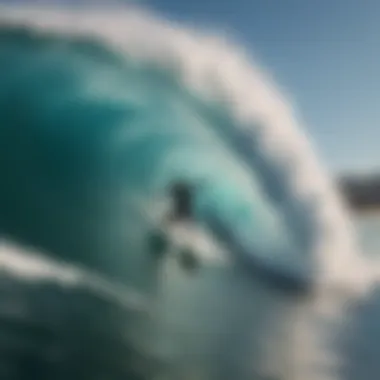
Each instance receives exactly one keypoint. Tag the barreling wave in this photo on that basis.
(163, 103)
(100, 111)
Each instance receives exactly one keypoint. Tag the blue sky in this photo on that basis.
(326, 53)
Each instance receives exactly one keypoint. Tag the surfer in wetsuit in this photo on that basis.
(182, 196)
(181, 213)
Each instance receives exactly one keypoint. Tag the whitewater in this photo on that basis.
(100, 111)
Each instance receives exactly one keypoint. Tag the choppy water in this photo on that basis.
(47, 332)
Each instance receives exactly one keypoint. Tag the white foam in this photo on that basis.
(30, 265)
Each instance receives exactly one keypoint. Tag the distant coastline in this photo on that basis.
(367, 211)
(362, 193)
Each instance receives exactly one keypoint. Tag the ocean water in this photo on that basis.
(52, 332)
(359, 344)
(100, 113)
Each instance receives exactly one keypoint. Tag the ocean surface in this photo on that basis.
(100, 113)
(249, 310)
(48, 332)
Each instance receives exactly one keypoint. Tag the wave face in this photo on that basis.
(129, 138)
(141, 107)
(99, 113)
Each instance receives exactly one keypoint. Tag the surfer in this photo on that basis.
(180, 223)
(182, 214)
(182, 197)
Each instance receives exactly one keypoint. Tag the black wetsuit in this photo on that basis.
(183, 201)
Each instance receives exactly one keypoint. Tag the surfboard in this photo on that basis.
(189, 242)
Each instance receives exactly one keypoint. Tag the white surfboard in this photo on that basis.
(186, 237)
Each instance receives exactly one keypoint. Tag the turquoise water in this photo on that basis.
(92, 134)
(92, 158)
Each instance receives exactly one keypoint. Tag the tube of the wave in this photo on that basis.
(102, 111)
